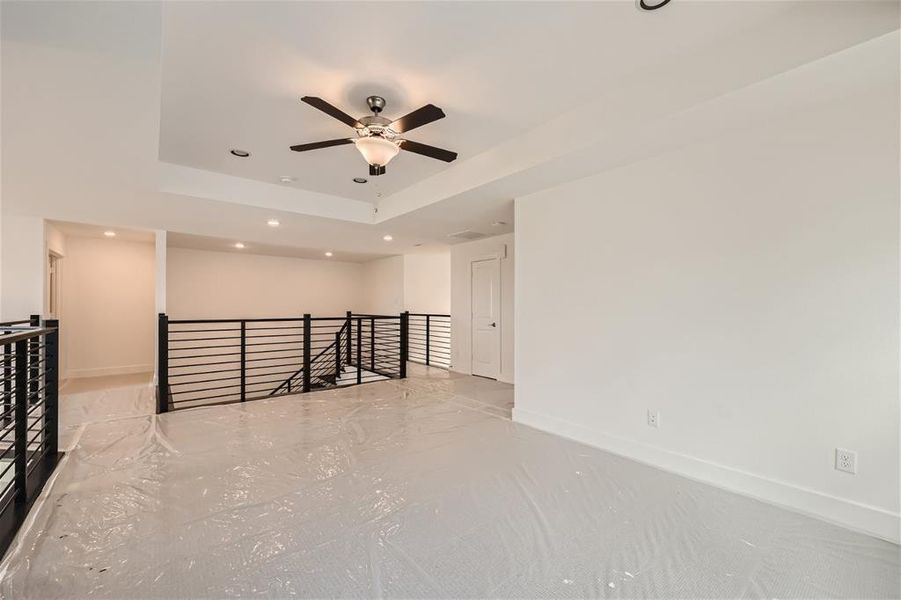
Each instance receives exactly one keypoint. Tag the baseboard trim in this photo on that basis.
(852, 515)
(104, 371)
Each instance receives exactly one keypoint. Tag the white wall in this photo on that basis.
(107, 307)
(23, 267)
(462, 256)
(204, 284)
(747, 289)
(427, 282)
(383, 286)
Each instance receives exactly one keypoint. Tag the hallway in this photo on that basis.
(406, 488)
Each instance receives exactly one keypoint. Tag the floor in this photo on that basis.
(91, 384)
(416, 488)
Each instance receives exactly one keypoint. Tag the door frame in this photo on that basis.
(496, 258)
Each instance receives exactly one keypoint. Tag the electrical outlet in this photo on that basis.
(846, 460)
(653, 418)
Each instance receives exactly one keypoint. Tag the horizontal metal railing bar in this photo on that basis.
(275, 335)
(290, 344)
(201, 347)
(206, 389)
(431, 346)
(171, 331)
(204, 356)
(40, 422)
(231, 394)
(9, 448)
(8, 467)
(293, 356)
(11, 335)
(254, 320)
(215, 379)
(230, 354)
(11, 323)
(34, 407)
(423, 352)
(205, 339)
(433, 315)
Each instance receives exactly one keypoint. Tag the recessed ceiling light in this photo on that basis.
(388, 238)
(328, 253)
(109, 233)
(286, 179)
(239, 153)
(239, 245)
(360, 180)
(273, 223)
(498, 223)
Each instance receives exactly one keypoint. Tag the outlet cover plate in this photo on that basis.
(846, 460)
(653, 418)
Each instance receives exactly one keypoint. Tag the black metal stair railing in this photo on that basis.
(29, 417)
(204, 362)
(325, 367)
(430, 339)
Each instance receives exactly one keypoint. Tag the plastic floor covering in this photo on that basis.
(421, 488)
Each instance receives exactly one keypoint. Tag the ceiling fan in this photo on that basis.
(378, 139)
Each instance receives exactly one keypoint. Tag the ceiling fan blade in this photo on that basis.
(332, 111)
(318, 145)
(417, 118)
(430, 151)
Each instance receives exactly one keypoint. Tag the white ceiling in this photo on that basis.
(535, 93)
(233, 73)
(98, 231)
(215, 244)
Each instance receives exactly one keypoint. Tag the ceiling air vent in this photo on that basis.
(467, 234)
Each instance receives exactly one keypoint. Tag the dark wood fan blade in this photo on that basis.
(317, 145)
(417, 118)
(430, 151)
(331, 110)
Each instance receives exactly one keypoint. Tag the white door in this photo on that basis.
(486, 308)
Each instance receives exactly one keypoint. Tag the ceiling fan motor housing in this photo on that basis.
(376, 103)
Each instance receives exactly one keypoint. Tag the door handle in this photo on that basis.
(494, 324)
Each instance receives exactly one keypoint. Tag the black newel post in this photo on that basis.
(372, 344)
(307, 345)
(404, 341)
(20, 446)
(51, 390)
(359, 350)
(243, 361)
(34, 361)
(427, 335)
(7, 384)
(349, 342)
(337, 356)
(162, 365)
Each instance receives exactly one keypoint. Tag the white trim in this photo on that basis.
(853, 515)
(103, 371)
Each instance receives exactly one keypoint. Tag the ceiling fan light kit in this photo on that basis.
(378, 139)
(377, 151)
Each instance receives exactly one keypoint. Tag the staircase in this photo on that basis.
(203, 362)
